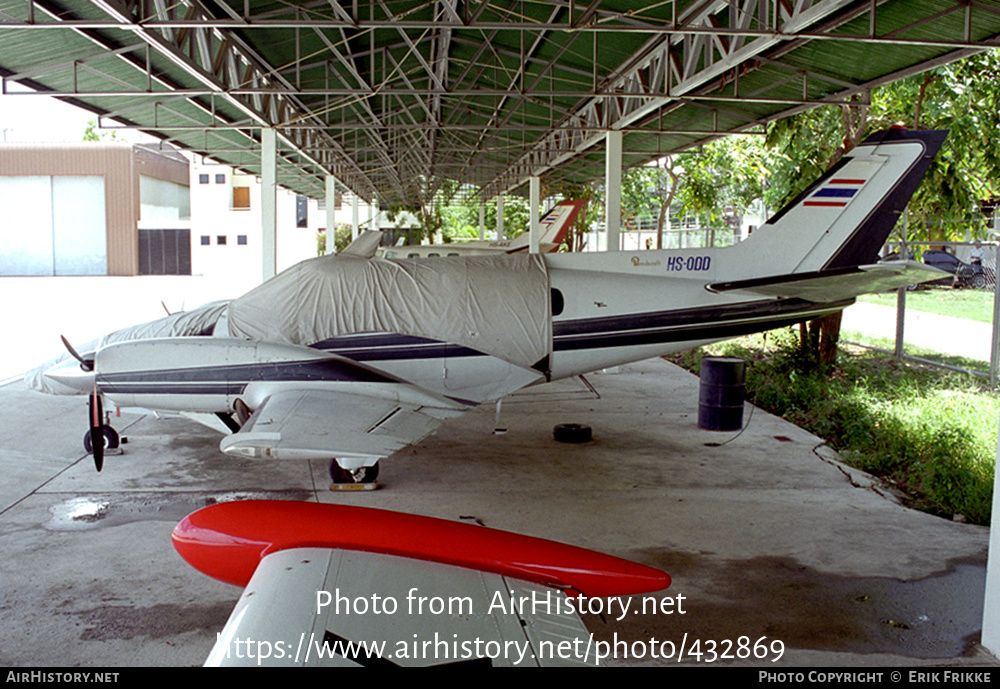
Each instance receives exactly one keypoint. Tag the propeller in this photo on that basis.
(96, 409)
(85, 364)
(97, 428)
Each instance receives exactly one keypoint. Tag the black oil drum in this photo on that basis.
(720, 398)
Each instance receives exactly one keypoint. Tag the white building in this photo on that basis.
(226, 223)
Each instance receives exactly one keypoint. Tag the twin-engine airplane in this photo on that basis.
(354, 358)
(553, 229)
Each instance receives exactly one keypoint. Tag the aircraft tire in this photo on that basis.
(572, 433)
(111, 439)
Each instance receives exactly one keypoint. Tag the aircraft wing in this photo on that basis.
(317, 607)
(319, 424)
(338, 585)
(836, 285)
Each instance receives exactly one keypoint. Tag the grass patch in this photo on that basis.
(930, 433)
(971, 304)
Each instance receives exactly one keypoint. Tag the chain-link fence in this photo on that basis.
(641, 235)
(950, 322)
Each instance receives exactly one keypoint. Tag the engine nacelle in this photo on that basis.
(201, 374)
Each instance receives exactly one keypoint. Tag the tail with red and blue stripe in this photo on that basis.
(843, 219)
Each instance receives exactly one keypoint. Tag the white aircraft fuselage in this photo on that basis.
(339, 353)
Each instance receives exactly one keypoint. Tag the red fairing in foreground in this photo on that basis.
(228, 540)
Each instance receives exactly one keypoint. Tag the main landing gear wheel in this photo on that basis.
(111, 439)
(362, 478)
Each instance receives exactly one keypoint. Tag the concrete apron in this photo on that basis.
(767, 536)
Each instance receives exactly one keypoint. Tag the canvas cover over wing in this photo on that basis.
(498, 305)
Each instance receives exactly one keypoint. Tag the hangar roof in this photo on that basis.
(395, 96)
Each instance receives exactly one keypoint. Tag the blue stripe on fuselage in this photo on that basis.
(654, 327)
(232, 380)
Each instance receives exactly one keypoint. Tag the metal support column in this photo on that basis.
(995, 348)
(990, 637)
(613, 186)
(482, 221)
(534, 189)
(991, 603)
(500, 217)
(355, 217)
(901, 301)
(268, 201)
(331, 214)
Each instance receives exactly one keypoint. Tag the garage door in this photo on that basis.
(53, 225)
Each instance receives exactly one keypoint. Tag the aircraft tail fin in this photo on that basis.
(364, 246)
(843, 219)
(553, 227)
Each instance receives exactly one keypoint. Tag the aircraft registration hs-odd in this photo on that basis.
(354, 357)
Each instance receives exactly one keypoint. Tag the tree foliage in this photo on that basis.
(962, 97)
(92, 133)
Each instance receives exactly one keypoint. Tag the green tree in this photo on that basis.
(91, 133)
(963, 97)
(516, 216)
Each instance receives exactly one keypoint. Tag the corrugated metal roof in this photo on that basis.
(394, 96)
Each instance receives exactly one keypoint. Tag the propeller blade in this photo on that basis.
(97, 428)
(85, 364)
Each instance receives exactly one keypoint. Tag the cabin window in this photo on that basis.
(220, 240)
(202, 179)
(558, 303)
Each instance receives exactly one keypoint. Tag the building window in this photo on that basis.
(241, 239)
(221, 240)
(241, 197)
(202, 179)
(220, 179)
(301, 211)
(205, 240)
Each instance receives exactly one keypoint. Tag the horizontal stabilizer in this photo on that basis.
(827, 286)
